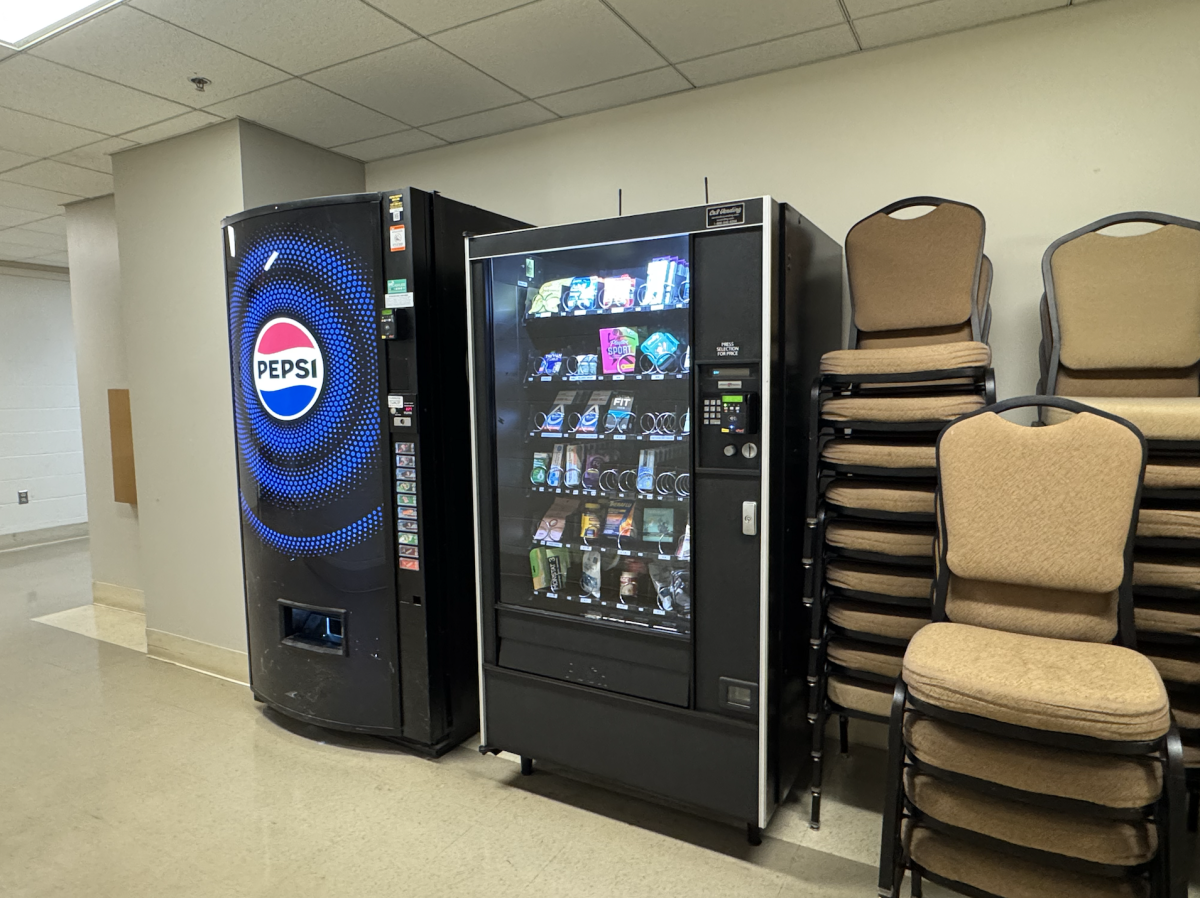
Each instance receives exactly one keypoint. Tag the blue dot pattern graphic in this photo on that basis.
(323, 456)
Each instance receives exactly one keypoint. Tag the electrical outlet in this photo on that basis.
(22, 497)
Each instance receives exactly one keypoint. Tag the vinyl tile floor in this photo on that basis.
(124, 776)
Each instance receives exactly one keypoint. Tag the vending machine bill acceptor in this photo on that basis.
(348, 350)
(640, 399)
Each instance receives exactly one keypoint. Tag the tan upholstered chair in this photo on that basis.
(1028, 753)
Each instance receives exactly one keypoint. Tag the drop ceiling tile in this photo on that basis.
(860, 8)
(298, 36)
(9, 160)
(428, 16)
(55, 225)
(410, 141)
(494, 121)
(771, 56)
(16, 252)
(552, 46)
(33, 199)
(310, 113)
(685, 29)
(59, 259)
(136, 49)
(59, 176)
(46, 243)
(96, 156)
(37, 136)
(617, 92)
(11, 216)
(45, 88)
(940, 16)
(416, 83)
(172, 127)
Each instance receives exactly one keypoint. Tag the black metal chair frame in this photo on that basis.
(1168, 870)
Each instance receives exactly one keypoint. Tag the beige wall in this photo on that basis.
(100, 363)
(170, 199)
(1045, 123)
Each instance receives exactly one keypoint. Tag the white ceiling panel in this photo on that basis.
(37, 136)
(428, 16)
(11, 217)
(410, 141)
(552, 45)
(17, 252)
(861, 8)
(771, 56)
(45, 88)
(9, 160)
(618, 92)
(136, 49)
(33, 199)
(180, 124)
(940, 16)
(47, 243)
(494, 121)
(310, 113)
(295, 35)
(55, 225)
(59, 259)
(685, 29)
(416, 83)
(61, 177)
(96, 156)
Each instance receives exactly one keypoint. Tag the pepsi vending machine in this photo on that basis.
(348, 344)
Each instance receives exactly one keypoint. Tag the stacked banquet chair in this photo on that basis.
(1121, 332)
(1029, 755)
(919, 293)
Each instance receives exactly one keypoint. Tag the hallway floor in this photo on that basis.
(125, 776)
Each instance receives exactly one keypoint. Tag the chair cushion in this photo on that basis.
(899, 409)
(1174, 665)
(1011, 877)
(1104, 691)
(860, 695)
(879, 579)
(907, 359)
(877, 620)
(1143, 382)
(1155, 620)
(916, 336)
(1120, 842)
(875, 496)
(1045, 507)
(853, 654)
(879, 455)
(1059, 613)
(1169, 522)
(1186, 711)
(1157, 573)
(1158, 419)
(1191, 755)
(1113, 781)
(1172, 476)
(880, 539)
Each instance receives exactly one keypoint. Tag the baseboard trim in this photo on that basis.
(215, 660)
(26, 538)
(124, 597)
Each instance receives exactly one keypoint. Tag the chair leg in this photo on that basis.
(1193, 811)
(891, 852)
(844, 734)
(1174, 816)
(915, 873)
(818, 764)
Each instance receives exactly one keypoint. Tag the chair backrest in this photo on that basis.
(1036, 523)
(1125, 310)
(914, 277)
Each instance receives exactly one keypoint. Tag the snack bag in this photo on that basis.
(618, 350)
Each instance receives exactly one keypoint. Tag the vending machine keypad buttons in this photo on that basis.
(732, 412)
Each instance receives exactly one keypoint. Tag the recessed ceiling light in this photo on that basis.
(23, 23)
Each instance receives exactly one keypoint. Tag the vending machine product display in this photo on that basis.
(640, 401)
(348, 342)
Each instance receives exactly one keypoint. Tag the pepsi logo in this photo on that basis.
(289, 369)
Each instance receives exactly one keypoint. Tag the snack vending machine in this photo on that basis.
(640, 400)
(348, 342)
